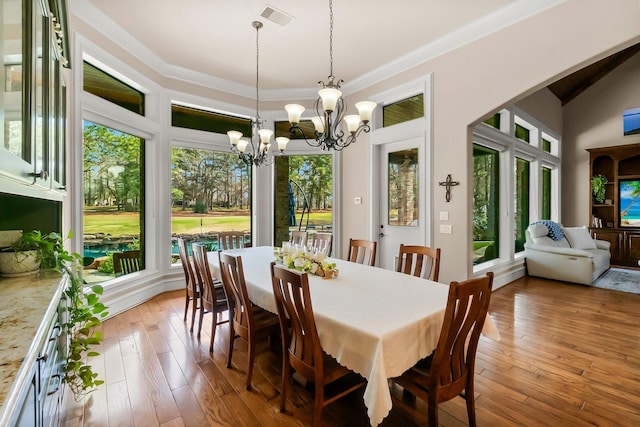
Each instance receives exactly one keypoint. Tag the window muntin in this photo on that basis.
(521, 202)
(486, 203)
(403, 111)
(113, 184)
(107, 87)
(210, 193)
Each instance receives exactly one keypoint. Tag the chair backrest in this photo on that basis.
(235, 287)
(321, 242)
(454, 358)
(126, 262)
(362, 251)
(203, 271)
(231, 240)
(187, 267)
(419, 261)
(297, 323)
(299, 238)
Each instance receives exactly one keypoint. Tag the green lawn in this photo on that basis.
(119, 223)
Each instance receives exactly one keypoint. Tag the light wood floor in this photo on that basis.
(569, 356)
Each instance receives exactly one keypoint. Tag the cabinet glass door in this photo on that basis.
(11, 49)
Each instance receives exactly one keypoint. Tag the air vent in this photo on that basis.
(275, 15)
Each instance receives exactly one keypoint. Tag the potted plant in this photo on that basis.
(599, 188)
(24, 255)
(84, 308)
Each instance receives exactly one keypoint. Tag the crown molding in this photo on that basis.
(512, 14)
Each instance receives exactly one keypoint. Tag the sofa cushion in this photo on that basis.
(548, 241)
(579, 238)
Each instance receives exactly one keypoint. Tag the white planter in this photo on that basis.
(14, 264)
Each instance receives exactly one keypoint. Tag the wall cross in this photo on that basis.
(448, 183)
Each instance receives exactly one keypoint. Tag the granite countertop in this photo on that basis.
(26, 306)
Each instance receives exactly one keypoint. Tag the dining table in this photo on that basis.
(376, 322)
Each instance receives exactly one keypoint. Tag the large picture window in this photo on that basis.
(210, 193)
(486, 203)
(521, 199)
(113, 181)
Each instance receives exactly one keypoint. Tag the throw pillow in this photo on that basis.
(579, 238)
(538, 230)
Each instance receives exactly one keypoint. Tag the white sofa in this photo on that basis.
(575, 257)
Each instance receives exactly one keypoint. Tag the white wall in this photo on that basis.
(594, 119)
(479, 78)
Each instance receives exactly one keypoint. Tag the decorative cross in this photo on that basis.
(448, 183)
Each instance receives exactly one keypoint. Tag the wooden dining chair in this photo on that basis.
(250, 322)
(301, 349)
(230, 240)
(211, 299)
(192, 287)
(298, 238)
(321, 242)
(362, 251)
(126, 262)
(449, 371)
(419, 261)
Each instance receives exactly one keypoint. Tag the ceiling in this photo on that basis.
(216, 38)
(214, 42)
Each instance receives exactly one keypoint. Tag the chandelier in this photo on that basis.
(330, 111)
(250, 152)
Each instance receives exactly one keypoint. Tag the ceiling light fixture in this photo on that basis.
(249, 152)
(330, 109)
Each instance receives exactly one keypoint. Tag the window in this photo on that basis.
(521, 189)
(546, 193)
(403, 111)
(208, 121)
(113, 90)
(210, 193)
(522, 133)
(493, 121)
(113, 184)
(521, 198)
(403, 188)
(486, 204)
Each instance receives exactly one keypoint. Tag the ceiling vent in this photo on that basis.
(275, 15)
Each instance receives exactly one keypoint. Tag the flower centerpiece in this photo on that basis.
(306, 261)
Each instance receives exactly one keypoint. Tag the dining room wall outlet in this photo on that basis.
(445, 228)
(357, 200)
(444, 216)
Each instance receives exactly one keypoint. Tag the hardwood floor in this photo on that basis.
(569, 356)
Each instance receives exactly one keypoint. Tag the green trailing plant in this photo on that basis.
(599, 187)
(85, 311)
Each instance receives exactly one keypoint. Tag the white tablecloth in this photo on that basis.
(376, 322)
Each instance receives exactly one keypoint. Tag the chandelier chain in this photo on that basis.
(257, 68)
(331, 39)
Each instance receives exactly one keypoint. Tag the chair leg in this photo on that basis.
(186, 305)
(317, 410)
(232, 338)
(194, 307)
(432, 412)
(214, 324)
(286, 374)
(471, 407)
(201, 317)
(252, 355)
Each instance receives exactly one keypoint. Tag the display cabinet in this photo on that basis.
(616, 220)
(33, 115)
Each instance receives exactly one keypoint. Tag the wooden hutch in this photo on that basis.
(616, 164)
